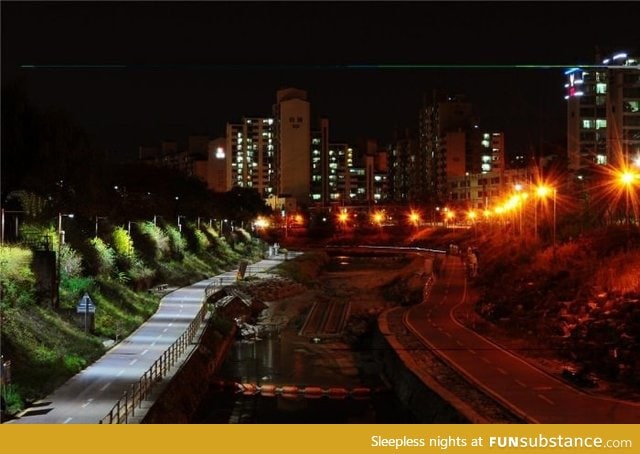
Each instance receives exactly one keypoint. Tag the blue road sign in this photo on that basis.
(85, 305)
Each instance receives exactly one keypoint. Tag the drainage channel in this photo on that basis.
(273, 382)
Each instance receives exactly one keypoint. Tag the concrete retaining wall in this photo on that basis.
(180, 399)
(425, 405)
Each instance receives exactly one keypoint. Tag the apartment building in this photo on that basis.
(251, 145)
(603, 112)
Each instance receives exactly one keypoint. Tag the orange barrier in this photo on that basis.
(312, 392)
(268, 390)
(249, 389)
(294, 392)
(337, 393)
(360, 393)
(290, 392)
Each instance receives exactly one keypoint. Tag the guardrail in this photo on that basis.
(138, 392)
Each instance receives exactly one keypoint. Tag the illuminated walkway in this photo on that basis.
(91, 394)
(529, 392)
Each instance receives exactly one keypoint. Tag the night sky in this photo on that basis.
(136, 73)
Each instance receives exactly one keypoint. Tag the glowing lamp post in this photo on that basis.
(414, 218)
(378, 217)
(97, 219)
(343, 217)
(179, 223)
(449, 216)
(627, 179)
(58, 261)
(541, 193)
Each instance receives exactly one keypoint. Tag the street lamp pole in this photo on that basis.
(555, 191)
(58, 262)
(97, 219)
(627, 179)
(535, 219)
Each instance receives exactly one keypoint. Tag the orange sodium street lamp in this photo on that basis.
(542, 192)
(343, 217)
(414, 218)
(627, 179)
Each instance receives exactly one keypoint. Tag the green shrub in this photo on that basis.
(141, 276)
(72, 289)
(105, 256)
(70, 262)
(12, 398)
(144, 243)
(157, 246)
(196, 240)
(74, 363)
(16, 277)
(121, 242)
(176, 242)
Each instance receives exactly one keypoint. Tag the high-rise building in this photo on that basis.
(293, 144)
(492, 154)
(252, 154)
(340, 160)
(320, 164)
(603, 112)
(407, 172)
(218, 171)
(448, 142)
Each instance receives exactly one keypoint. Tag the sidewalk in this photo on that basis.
(134, 370)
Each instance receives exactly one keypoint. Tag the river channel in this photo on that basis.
(287, 359)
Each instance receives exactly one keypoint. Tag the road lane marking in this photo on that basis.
(133, 361)
(105, 386)
(459, 343)
(120, 373)
(485, 360)
(153, 343)
(165, 330)
(68, 420)
(144, 352)
(170, 324)
(502, 371)
(520, 383)
(448, 335)
(546, 399)
(472, 351)
(87, 403)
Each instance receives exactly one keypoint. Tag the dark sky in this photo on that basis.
(189, 67)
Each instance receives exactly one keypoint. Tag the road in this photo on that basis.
(88, 396)
(528, 391)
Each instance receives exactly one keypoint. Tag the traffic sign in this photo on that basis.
(85, 305)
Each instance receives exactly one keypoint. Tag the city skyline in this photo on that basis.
(137, 73)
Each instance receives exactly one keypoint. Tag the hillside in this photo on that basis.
(46, 344)
(577, 305)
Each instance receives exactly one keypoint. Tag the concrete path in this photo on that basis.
(91, 394)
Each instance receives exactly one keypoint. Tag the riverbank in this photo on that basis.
(363, 354)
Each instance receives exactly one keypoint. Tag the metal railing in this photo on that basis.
(133, 397)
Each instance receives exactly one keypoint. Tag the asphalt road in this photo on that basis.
(91, 394)
(528, 391)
